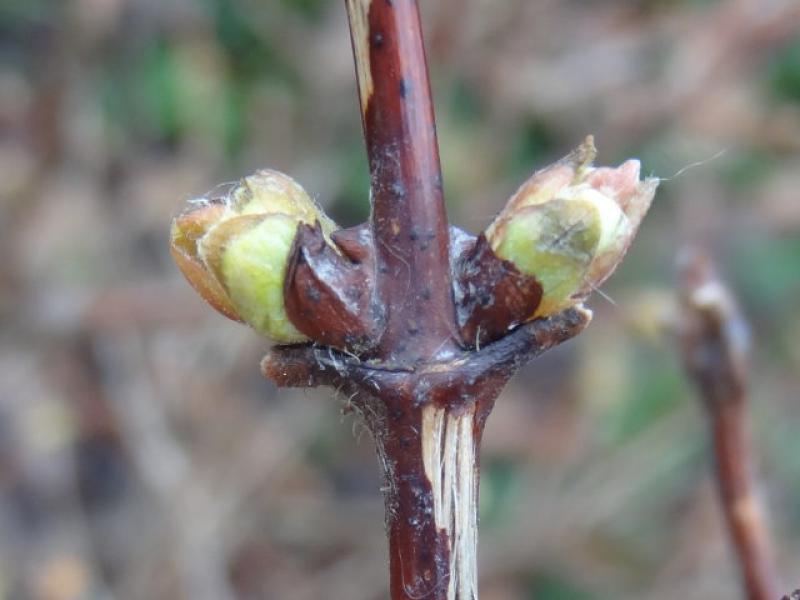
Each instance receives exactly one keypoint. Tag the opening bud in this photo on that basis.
(234, 249)
(570, 225)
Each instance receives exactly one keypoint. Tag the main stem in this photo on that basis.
(430, 457)
(450, 447)
(408, 220)
(427, 421)
(428, 446)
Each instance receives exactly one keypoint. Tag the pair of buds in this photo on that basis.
(267, 255)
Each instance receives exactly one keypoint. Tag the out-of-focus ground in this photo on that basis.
(141, 453)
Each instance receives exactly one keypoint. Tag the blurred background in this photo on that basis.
(142, 455)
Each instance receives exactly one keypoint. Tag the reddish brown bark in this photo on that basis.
(328, 295)
(408, 218)
(492, 296)
(391, 399)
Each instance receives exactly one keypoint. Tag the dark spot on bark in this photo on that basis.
(413, 235)
(383, 269)
(413, 327)
(425, 294)
(426, 238)
(424, 499)
(405, 88)
(437, 181)
(313, 294)
(377, 40)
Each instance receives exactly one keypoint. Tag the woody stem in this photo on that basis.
(408, 219)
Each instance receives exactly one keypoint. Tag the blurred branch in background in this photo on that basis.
(714, 346)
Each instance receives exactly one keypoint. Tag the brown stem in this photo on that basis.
(408, 220)
(429, 455)
(427, 422)
(713, 344)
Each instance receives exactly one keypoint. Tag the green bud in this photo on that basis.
(570, 224)
(235, 250)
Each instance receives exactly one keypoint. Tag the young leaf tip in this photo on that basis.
(570, 225)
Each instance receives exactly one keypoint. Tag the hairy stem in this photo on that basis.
(427, 422)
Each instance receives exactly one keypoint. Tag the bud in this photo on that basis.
(570, 225)
(234, 250)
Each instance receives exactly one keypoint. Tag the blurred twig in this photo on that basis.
(713, 342)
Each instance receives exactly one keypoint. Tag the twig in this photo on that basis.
(713, 339)
(408, 218)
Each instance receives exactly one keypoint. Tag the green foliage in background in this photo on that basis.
(784, 74)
